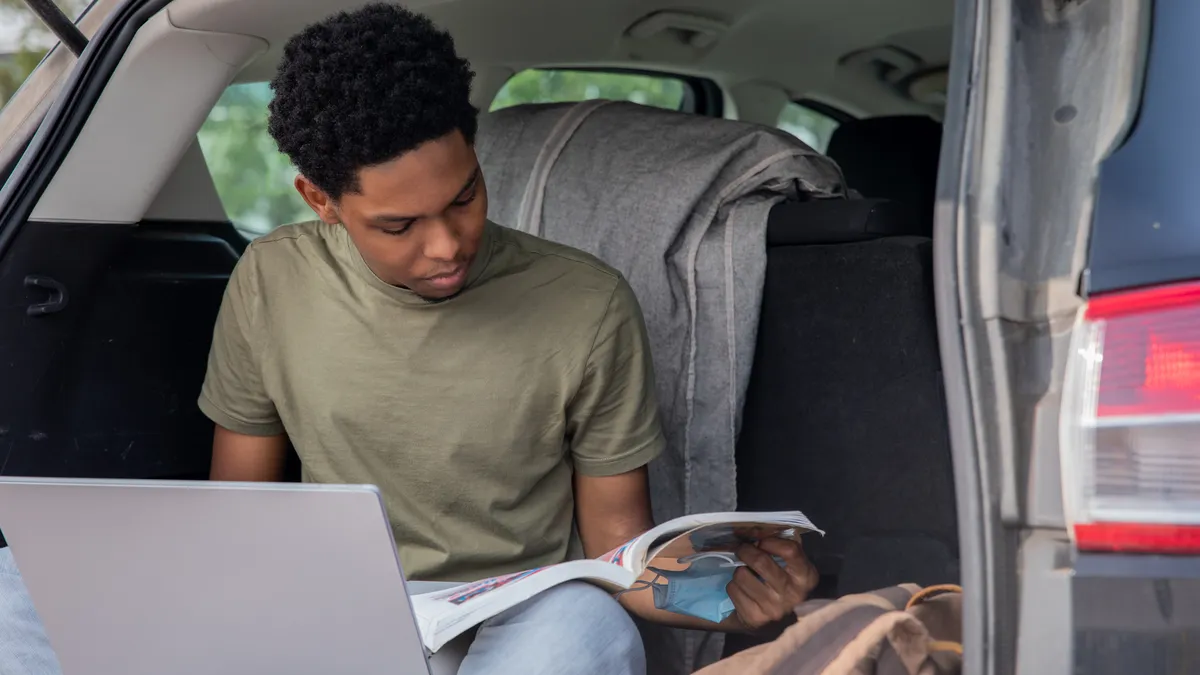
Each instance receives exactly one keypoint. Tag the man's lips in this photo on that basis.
(450, 279)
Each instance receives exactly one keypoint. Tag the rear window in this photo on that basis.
(253, 179)
(565, 86)
(24, 40)
(1145, 230)
(812, 127)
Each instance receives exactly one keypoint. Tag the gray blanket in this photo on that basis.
(678, 203)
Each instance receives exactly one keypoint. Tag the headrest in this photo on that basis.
(892, 158)
(840, 221)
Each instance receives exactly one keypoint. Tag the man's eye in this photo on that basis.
(466, 200)
(397, 232)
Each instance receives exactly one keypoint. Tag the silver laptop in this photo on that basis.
(197, 578)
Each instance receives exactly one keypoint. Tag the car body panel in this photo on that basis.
(1051, 89)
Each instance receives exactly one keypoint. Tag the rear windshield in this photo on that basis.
(1147, 221)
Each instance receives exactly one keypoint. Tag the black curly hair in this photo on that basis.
(364, 87)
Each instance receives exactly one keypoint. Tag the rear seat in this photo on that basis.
(845, 415)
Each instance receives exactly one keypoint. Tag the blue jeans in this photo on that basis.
(24, 649)
(574, 629)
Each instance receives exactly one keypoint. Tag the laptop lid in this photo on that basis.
(196, 578)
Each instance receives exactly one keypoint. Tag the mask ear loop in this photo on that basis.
(640, 584)
(729, 559)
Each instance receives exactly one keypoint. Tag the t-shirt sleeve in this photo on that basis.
(233, 394)
(613, 423)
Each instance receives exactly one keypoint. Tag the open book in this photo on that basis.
(444, 615)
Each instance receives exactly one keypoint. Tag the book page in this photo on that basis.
(460, 594)
(632, 553)
(676, 552)
(713, 532)
(725, 537)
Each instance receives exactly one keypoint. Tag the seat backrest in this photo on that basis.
(845, 415)
(893, 158)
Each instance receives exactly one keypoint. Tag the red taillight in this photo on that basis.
(1131, 423)
(1137, 537)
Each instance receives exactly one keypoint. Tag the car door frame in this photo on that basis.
(1010, 236)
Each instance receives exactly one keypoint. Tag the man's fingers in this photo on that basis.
(766, 567)
(766, 589)
(748, 610)
(770, 602)
(802, 574)
(788, 549)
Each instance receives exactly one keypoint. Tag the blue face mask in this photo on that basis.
(698, 591)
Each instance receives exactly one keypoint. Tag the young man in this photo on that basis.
(497, 387)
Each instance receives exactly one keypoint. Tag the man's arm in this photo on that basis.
(249, 443)
(238, 457)
(611, 510)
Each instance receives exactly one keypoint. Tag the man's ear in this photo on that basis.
(318, 199)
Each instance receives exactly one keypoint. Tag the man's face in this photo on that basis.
(416, 220)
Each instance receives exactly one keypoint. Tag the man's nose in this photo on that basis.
(441, 242)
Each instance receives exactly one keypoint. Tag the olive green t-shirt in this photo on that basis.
(471, 414)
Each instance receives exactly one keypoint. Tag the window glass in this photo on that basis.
(253, 179)
(561, 86)
(808, 125)
(24, 40)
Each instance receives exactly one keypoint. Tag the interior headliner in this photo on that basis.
(761, 52)
(795, 45)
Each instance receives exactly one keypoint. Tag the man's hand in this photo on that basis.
(781, 588)
(614, 509)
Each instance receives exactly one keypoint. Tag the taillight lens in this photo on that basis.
(1131, 422)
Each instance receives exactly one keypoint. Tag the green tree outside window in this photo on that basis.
(254, 180)
(808, 125)
(24, 40)
(560, 86)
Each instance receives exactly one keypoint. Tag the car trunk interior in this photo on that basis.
(110, 287)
